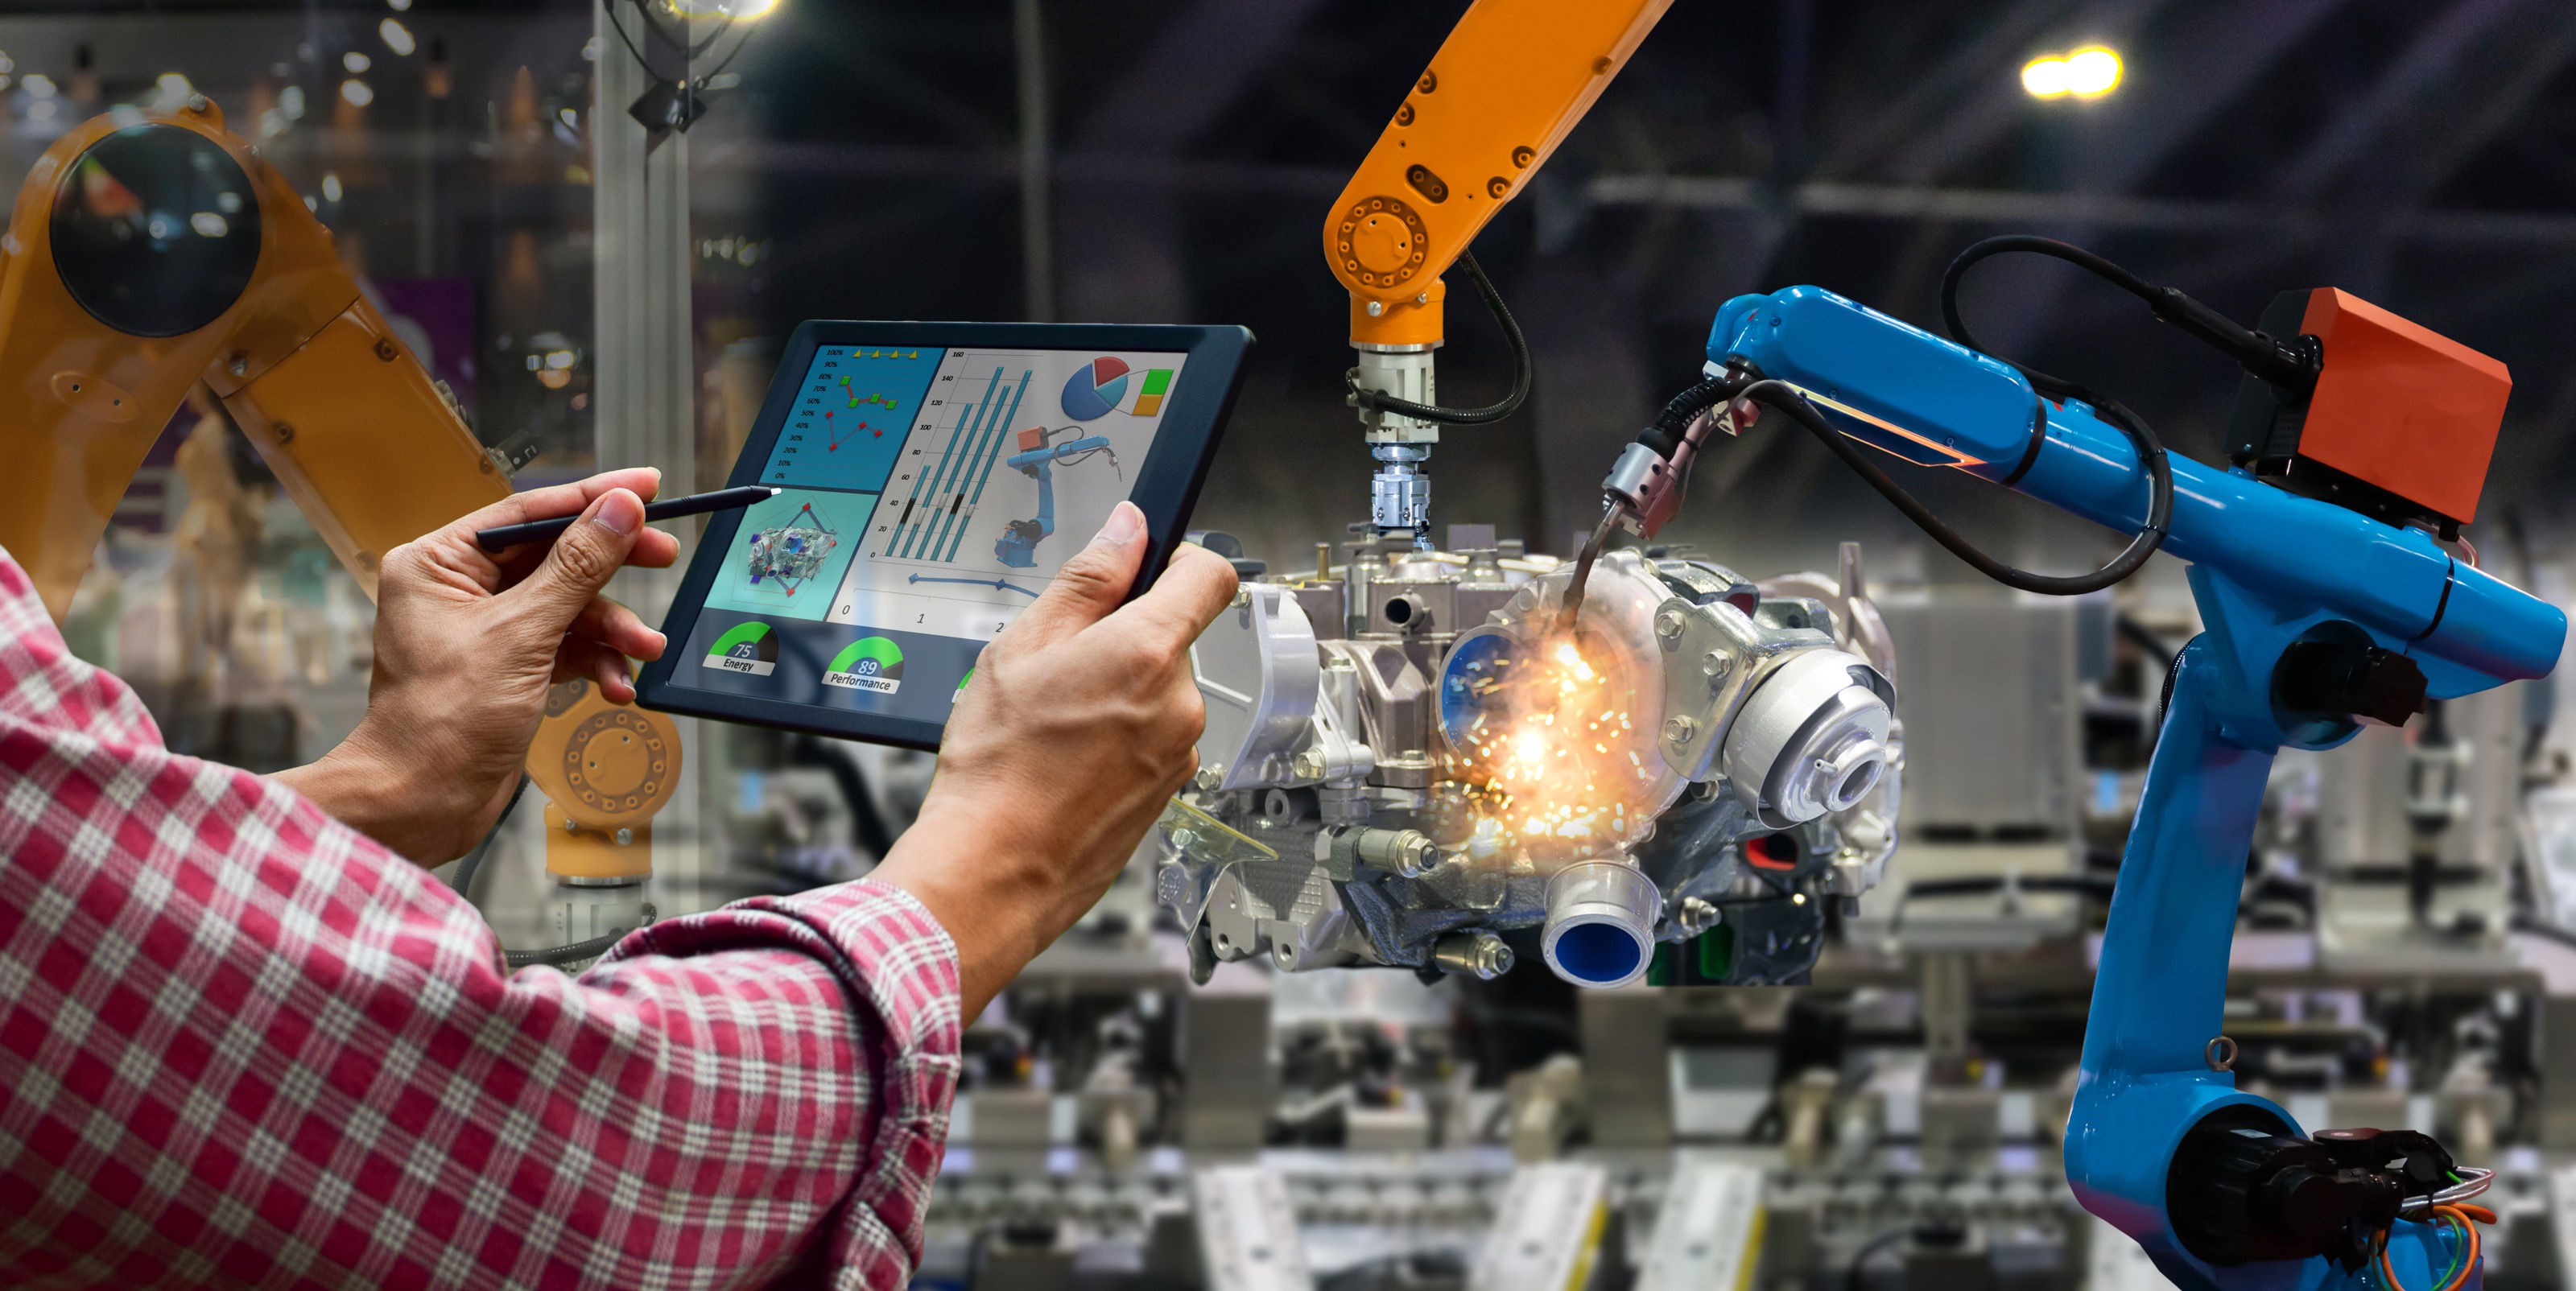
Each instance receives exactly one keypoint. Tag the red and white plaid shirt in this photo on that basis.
(242, 1045)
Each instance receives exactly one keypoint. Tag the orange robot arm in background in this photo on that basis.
(150, 253)
(1511, 80)
(146, 257)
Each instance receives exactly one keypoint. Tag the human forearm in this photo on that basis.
(1080, 725)
(408, 804)
(999, 913)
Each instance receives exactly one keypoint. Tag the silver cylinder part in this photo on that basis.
(1479, 954)
(1400, 494)
(1811, 739)
(1600, 927)
(1404, 372)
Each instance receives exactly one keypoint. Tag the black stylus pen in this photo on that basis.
(510, 535)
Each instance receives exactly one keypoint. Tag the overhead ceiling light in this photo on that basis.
(2087, 73)
(356, 61)
(397, 37)
(357, 92)
(737, 10)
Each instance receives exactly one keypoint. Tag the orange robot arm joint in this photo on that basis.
(1512, 79)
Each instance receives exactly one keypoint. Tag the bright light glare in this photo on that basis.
(331, 186)
(38, 85)
(2087, 73)
(356, 62)
(357, 93)
(738, 10)
(208, 224)
(397, 36)
(2092, 71)
(174, 89)
(399, 6)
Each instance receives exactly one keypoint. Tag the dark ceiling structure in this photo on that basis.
(2418, 154)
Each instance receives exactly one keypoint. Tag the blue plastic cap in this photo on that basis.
(1730, 321)
(1598, 952)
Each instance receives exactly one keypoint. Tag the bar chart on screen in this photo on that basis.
(970, 414)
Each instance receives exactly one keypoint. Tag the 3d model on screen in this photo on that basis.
(1017, 547)
(793, 552)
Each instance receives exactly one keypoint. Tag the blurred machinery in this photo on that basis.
(2415, 834)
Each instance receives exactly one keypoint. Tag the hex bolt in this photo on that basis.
(1408, 852)
(1309, 763)
(1696, 916)
(1210, 776)
(1479, 953)
(1670, 625)
(1717, 663)
(626, 838)
(1680, 730)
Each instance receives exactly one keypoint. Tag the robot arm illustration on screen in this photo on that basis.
(1018, 544)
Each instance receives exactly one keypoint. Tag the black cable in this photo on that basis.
(867, 824)
(1789, 399)
(2543, 928)
(1664, 434)
(2292, 364)
(1857, 1279)
(462, 878)
(2164, 698)
(2140, 637)
(739, 46)
(1375, 401)
(626, 40)
(556, 956)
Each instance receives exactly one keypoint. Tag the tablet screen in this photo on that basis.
(928, 495)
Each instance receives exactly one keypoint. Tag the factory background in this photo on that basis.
(1173, 161)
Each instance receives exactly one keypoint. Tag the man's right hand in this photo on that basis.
(1081, 722)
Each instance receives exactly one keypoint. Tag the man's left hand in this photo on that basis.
(467, 644)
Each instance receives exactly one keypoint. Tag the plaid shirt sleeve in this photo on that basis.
(242, 1045)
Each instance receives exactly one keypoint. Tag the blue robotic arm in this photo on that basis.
(2318, 617)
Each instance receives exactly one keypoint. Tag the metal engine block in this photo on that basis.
(1409, 762)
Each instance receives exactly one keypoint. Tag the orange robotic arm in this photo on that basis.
(149, 253)
(1512, 79)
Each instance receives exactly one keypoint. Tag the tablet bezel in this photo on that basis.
(1167, 486)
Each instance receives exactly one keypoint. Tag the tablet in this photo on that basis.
(932, 478)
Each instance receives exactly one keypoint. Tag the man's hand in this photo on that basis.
(466, 645)
(1082, 721)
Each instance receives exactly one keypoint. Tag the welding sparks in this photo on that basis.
(1559, 796)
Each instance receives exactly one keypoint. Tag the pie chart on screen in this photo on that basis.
(1095, 388)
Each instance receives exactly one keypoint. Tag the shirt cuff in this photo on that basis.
(900, 968)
